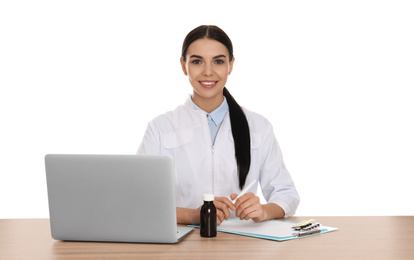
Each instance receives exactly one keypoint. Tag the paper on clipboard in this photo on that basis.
(273, 229)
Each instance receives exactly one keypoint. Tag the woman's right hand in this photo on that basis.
(192, 216)
(223, 206)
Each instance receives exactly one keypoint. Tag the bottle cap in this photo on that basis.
(208, 197)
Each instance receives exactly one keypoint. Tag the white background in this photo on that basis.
(334, 77)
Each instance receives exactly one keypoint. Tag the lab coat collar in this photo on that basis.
(218, 115)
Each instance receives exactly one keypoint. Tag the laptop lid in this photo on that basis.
(118, 198)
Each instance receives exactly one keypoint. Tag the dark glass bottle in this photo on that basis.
(208, 217)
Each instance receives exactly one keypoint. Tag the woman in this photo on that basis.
(218, 147)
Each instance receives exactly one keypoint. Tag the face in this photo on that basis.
(207, 66)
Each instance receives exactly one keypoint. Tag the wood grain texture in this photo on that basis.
(357, 238)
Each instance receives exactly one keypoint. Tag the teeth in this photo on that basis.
(208, 83)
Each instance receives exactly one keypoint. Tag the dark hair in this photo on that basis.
(238, 120)
(210, 32)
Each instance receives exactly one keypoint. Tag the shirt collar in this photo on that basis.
(218, 114)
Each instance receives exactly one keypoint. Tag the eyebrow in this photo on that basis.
(219, 56)
(215, 57)
(196, 56)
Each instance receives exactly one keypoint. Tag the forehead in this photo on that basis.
(207, 48)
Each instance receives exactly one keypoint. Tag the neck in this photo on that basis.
(208, 104)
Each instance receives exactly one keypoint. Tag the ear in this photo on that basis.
(231, 65)
(183, 67)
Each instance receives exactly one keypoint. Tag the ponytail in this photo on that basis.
(241, 137)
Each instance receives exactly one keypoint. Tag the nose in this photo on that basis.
(207, 70)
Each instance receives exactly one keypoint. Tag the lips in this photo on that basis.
(208, 83)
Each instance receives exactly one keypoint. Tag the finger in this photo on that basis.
(243, 199)
(222, 207)
(253, 211)
(245, 214)
(219, 221)
(247, 210)
(224, 204)
(246, 202)
(226, 201)
(220, 217)
(258, 215)
(233, 196)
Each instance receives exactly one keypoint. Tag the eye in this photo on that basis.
(196, 61)
(219, 62)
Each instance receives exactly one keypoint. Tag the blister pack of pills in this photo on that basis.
(306, 227)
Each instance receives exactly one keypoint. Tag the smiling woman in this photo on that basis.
(217, 145)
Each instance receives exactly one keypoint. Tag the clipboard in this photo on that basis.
(277, 230)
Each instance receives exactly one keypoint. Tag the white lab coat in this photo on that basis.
(204, 168)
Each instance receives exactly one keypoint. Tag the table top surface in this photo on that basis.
(379, 237)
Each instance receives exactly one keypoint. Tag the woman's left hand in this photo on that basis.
(248, 207)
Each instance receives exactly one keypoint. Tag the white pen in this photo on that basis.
(244, 190)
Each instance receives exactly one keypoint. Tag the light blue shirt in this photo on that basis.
(215, 118)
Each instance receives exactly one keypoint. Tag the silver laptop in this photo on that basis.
(112, 198)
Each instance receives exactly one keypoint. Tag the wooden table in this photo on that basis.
(357, 238)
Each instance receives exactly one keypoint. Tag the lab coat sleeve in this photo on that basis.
(150, 144)
(275, 181)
